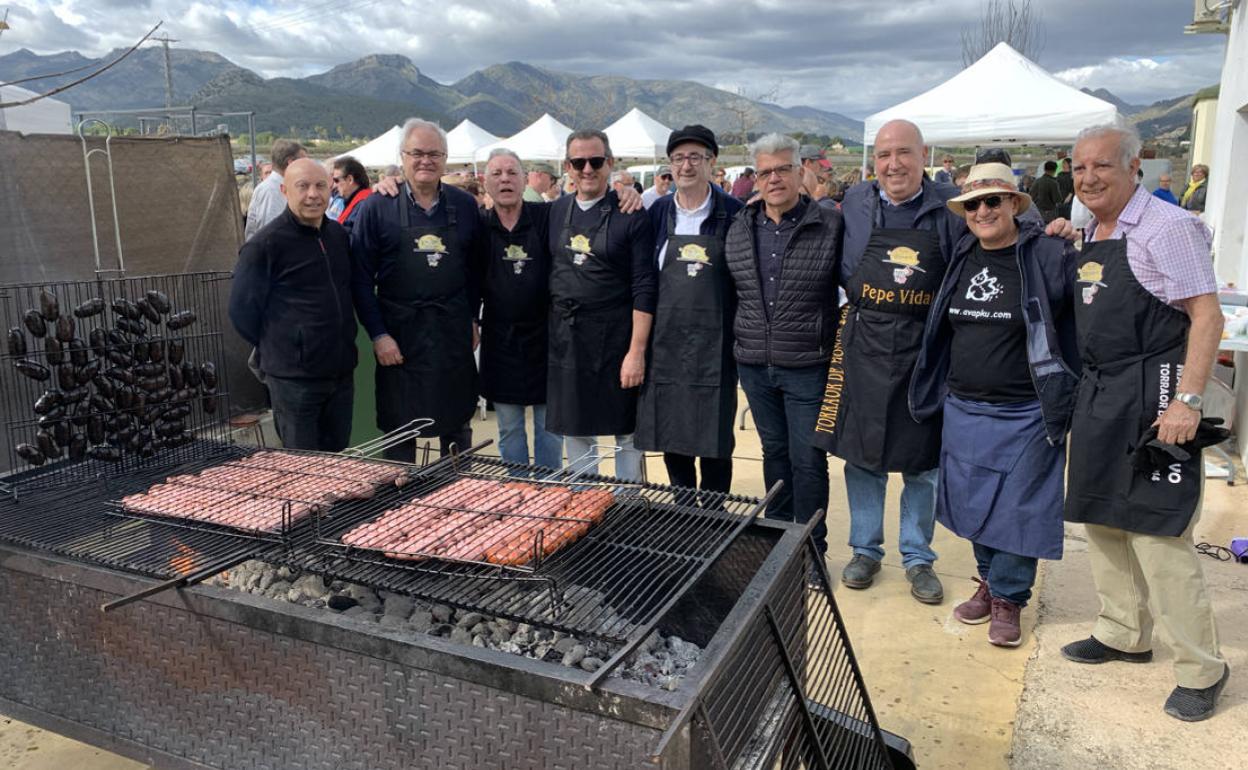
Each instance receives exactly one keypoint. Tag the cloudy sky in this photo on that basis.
(849, 56)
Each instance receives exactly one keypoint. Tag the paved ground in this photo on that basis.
(962, 702)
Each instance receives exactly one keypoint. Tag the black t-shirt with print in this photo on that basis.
(988, 360)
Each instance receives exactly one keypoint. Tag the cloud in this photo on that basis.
(852, 56)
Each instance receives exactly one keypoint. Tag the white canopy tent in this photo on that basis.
(464, 140)
(46, 116)
(1004, 98)
(379, 153)
(543, 140)
(637, 135)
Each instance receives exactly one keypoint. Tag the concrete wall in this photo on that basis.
(1204, 120)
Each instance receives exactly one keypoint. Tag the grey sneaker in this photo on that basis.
(1192, 705)
(1092, 650)
(860, 572)
(924, 585)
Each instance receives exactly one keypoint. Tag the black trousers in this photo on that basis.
(405, 451)
(312, 413)
(716, 472)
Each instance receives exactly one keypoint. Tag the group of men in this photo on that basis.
(638, 325)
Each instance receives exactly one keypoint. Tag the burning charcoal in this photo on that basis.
(499, 635)
(461, 635)
(399, 607)
(17, 342)
(49, 307)
(469, 619)
(278, 589)
(421, 621)
(564, 644)
(91, 307)
(158, 300)
(442, 613)
(591, 664)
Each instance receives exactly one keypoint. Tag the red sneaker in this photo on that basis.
(976, 609)
(1005, 629)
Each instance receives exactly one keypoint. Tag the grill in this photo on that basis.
(185, 679)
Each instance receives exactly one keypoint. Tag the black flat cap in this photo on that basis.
(992, 155)
(695, 133)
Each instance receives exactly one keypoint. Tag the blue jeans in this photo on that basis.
(1009, 576)
(627, 459)
(866, 488)
(513, 439)
(785, 403)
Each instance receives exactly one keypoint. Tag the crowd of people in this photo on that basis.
(1016, 372)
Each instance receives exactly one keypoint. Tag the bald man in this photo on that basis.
(291, 299)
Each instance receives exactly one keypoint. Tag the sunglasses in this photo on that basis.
(595, 162)
(667, 177)
(992, 202)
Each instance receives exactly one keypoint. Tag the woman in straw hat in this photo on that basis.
(999, 358)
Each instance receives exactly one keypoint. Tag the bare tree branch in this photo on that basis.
(1016, 22)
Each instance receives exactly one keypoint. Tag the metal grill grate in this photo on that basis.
(114, 383)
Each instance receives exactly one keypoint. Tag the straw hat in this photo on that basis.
(988, 179)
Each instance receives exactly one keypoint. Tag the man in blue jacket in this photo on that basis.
(689, 400)
(291, 299)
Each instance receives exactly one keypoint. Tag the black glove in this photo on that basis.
(1152, 456)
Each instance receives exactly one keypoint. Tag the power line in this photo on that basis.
(79, 81)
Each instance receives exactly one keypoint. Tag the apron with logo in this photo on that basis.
(516, 299)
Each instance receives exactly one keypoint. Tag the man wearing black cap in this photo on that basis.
(689, 399)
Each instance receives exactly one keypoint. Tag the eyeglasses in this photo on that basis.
(419, 155)
(765, 173)
(595, 162)
(693, 158)
(992, 202)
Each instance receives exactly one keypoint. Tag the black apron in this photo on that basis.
(591, 327)
(689, 399)
(425, 306)
(1132, 345)
(516, 298)
(865, 417)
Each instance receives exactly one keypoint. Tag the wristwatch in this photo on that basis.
(1190, 400)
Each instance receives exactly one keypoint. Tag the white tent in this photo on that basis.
(464, 140)
(543, 140)
(46, 116)
(379, 153)
(1002, 98)
(637, 135)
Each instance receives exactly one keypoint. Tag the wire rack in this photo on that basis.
(106, 376)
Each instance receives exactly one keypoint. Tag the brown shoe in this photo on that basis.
(1005, 629)
(976, 609)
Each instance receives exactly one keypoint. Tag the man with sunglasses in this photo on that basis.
(662, 186)
(688, 403)
(603, 296)
(350, 179)
(416, 293)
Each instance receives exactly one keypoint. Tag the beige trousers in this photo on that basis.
(1142, 578)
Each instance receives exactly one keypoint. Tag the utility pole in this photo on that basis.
(166, 40)
(4, 23)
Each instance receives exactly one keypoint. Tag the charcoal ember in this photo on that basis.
(499, 636)
(31, 454)
(421, 621)
(158, 300)
(35, 324)
(442, 613)
(365, 597)
(79, 353)
(53, 351)
(480, 629)
(126, 309)
(398, 606)
(309, 587)
(17, 342)
(34, 371)
(470, 619)
(65, 328)
(393, 621)
(564, 644)
(461, 635)
(49, 306)
(131, 326)
(339, 602)
(147, 311)
(591, 664)
(279, 589)
(91, 307)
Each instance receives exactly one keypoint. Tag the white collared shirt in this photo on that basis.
(689, 221)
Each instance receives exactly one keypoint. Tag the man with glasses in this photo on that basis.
(351, 181)
(689, 400)
(782, 251)
(603, 296)
(416, 293)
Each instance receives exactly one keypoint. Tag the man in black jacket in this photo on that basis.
(783, 252)
(291, 299)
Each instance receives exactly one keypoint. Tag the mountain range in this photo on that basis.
(367, 96)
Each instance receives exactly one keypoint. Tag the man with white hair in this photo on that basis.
(1149, 324)
(416, 293)
(782, 251)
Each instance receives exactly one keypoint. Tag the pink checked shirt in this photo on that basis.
(1167, 248)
